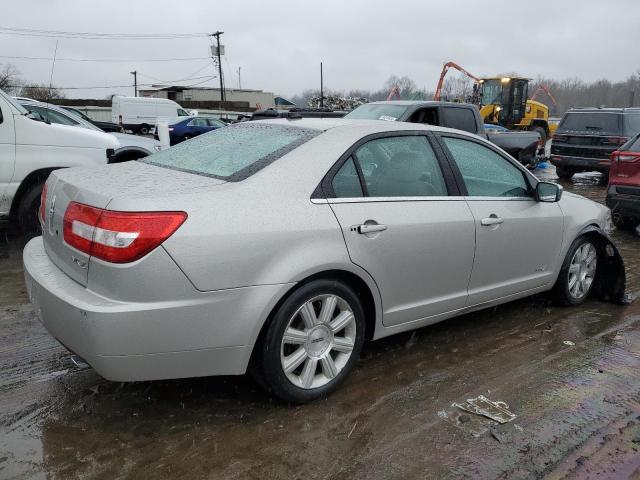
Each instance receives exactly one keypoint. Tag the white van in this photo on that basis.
(31, 149)
(139, 114)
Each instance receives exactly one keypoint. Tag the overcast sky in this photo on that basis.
(279, 44)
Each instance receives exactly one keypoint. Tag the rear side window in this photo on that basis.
(346, 183)
(401, 167)
(592, 122)
(485, 173)
(233, 153)
(459, 118)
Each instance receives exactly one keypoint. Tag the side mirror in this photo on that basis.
(548, 192)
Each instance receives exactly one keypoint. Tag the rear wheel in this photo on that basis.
(27, 213)
(564, 173)
(578, 273)
(144, 129)
(312, 342)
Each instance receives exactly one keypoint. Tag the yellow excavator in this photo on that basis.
(504, 101)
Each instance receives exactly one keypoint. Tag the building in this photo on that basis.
(255, 98)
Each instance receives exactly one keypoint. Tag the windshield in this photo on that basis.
(13, 102)
(596, 122)
(491, 92)
(233, 153)
(377, 111)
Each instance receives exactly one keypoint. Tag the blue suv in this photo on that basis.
(190, 127)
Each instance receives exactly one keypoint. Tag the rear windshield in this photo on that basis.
(233, 153)
(594, 122)
(377, 111)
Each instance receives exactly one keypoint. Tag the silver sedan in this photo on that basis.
(278, 247)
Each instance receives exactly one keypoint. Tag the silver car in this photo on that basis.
(278, 247)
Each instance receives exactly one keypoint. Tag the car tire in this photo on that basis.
(324, 325)
(578, 273)
(144, 129)
(564, 173)
(28, 208)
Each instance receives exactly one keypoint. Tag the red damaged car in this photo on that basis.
(623, 193)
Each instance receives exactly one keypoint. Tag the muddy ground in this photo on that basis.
(577, 406)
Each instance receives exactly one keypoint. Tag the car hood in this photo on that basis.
(127, 140)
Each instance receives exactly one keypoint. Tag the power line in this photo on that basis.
(16, 57)
(206, 79)
(98, 36)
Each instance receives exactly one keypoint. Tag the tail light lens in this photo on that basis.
(117, 237)
(43, 202)
(628, 157)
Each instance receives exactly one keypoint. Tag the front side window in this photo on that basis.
(403, 166)
(182, 113)
(486, 173)
(233, 153)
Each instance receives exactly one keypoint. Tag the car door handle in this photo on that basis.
(368, 228)
(491, 220)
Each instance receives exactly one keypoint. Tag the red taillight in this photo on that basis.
(117, 237)
(43, 202)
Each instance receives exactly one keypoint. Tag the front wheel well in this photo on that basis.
(127, 155)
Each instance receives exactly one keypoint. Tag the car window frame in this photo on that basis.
(530, 180)
(324, 190)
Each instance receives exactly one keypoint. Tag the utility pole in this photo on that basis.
(218, 53)
(321, 88)
(135, 82)
(239, 80)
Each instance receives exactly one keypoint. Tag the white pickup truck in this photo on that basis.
(30, 150)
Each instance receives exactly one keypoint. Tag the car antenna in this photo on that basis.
(53, 64)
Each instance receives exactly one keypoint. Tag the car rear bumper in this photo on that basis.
(580, 163)
(623, 204)
(210, 334)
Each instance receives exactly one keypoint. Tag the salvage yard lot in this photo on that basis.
(569, 374)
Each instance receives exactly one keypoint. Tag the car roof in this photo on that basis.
(365, 126)
(604, 110)
(415, 102)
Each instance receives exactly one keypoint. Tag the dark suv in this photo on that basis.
(586, 137)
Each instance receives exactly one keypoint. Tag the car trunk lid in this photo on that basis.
(97, 187)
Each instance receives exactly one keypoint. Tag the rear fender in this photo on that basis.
(610, 280)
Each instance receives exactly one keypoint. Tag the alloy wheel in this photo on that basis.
(582, 270)
(318, 341)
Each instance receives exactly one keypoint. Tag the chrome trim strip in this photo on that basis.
(394, 199)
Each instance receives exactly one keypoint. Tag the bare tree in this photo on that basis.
(10, 80)
(41, 92)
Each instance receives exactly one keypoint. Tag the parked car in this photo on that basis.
(104, 126)
(131, 146)
(283, 244)
(586, 137)
(523, 146)
(30, 150)
(140, 114)
(187, 128)
(623, 193)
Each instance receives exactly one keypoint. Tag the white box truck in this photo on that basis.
(140, 114)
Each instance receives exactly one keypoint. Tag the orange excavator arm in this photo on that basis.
(443, 74)
(395, 91)
(545, 89)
